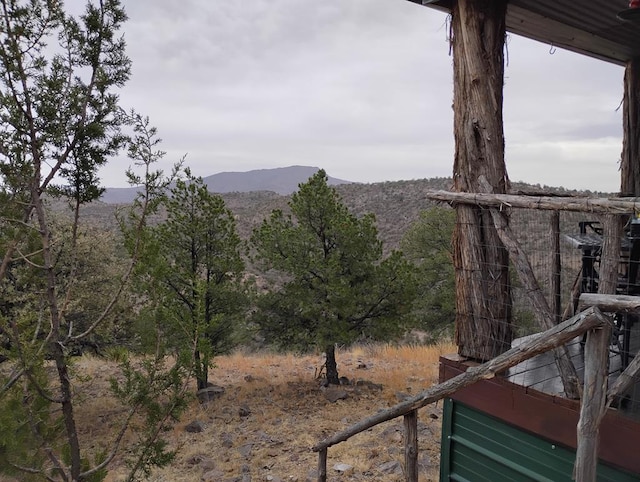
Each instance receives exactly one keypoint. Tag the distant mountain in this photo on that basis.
(281, 180)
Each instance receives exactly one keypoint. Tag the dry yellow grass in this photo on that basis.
(273, 410)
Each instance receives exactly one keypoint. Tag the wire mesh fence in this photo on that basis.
(560, 258)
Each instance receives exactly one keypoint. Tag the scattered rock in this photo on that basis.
(208, 464)
(195, 427)
(245, 450)
(212, 476)
(369, 384)
(392, 467)
(246, 473)
(424, 462)
(344, 381)
(392, 434)
(249, 378)
(195, 459)
(343, 468)
(244, 411)
(210, 393)
(333, 394)
(227, 440)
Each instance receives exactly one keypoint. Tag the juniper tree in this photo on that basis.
(427, 243)
(337, 287)
(59, 123)
(193, 277)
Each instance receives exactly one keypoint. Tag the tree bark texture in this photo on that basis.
(331, 365)
(593, 405)
(630, 161)
(610, 303)
(483, 298)
(596, 360)
(556, 266)
(589, 205)
(411, 446)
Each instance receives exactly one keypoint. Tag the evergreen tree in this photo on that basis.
(427, 243)
(336, 286)
(194, 274)
(60, 122)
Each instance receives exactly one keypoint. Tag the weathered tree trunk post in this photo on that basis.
(556, 266)
(593, 406)
(411, 446)
(322, 465)
(596, 360)
(483, 295)
(630, 161)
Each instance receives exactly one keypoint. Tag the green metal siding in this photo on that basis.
(479, 448)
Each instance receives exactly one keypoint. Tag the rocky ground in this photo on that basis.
(269, 410)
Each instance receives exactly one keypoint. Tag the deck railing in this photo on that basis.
(589, 319)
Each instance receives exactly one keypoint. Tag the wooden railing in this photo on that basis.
(589, 319)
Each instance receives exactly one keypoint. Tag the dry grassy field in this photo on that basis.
(273, 410)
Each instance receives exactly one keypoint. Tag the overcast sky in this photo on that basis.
(361, 88)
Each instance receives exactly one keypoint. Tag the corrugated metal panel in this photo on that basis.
(590, 27)
(480, 448)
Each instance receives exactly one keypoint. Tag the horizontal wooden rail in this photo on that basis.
(536, 344)
(610, 303)
(576, 204)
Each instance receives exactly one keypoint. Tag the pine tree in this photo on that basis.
(336, 287)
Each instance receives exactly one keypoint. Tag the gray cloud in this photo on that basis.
(362, 88)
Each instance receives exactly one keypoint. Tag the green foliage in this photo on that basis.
(28, 425)
(60, 280)
(155, 395)
(337, 287)
(192, 274)
(428, 244)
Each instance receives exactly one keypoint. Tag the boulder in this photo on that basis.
(194, 427)
(333, 394)
(209, 393)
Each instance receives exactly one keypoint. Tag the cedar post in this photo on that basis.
(322, 465)
(630, 160)
(411, 446)
(593, 405)
(596, 360)
(556, 266)
(483, 297)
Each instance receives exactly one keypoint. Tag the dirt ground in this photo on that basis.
(272, 410)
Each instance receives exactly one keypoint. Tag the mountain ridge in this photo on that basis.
(281, 180)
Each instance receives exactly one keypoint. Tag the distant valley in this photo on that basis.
(251, 196)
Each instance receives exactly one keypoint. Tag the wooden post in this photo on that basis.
(591, 205)
(610, 303)
(556, 291)
(411, 446)
(593, 406)
(610, 258)
(483, 295)
(596, 360)
(534, 345)
(322, 465)
(543, 312)
(630, 159)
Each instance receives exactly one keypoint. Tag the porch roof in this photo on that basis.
(589, 27)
